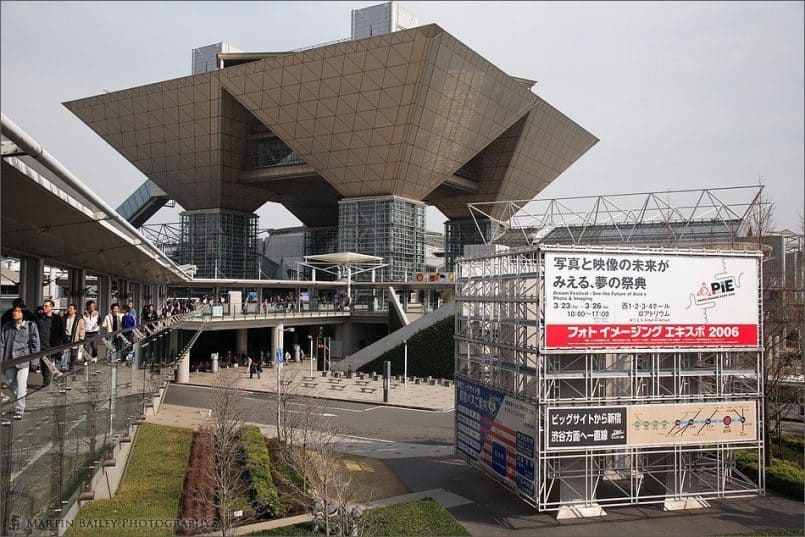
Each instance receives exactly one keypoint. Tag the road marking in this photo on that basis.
(258, 395)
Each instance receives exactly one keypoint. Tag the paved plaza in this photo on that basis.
(297, 379)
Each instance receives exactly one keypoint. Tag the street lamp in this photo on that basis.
(310, 337)
(405, 366)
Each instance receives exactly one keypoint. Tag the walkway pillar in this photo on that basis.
(104, 294)
(277, 341)
(31, 281)
(242, 340)
(76, 280)
(183, 369)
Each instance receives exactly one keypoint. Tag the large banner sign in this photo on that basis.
(651, 425)
(497, 433)
(659, 301)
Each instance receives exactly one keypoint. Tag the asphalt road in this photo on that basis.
(355, 419)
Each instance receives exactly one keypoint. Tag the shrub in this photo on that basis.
(258, 471)
(785, 477)
(197, 503)
(430, 353)
(421, 517)
(410, 519)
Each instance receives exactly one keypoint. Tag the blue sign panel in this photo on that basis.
(499, 458)
(496, 432)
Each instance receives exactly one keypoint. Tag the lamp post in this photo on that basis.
(310, 337)
(405, 364)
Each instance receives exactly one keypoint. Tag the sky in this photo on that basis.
(681, 95)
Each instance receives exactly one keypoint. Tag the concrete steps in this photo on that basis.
(381, 346)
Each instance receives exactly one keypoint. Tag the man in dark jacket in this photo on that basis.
(51, 334)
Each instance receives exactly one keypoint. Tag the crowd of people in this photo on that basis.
(23, 332)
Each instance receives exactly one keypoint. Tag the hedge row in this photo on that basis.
(198, 493)
(258, 470)
(785, 477)
(430, 353)
(797, 443)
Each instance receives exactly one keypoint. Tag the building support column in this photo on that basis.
(104, 294)
(76, 281)
(242, 340)
(32, 281)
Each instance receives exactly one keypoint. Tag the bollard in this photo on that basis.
(183, 369)
(386, 380)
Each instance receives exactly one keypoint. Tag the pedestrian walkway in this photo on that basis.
(296, 378)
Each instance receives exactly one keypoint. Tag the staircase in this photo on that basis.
(382, 346)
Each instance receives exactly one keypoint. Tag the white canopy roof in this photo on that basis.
(343, 258)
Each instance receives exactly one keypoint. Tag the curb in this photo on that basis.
(377, 403)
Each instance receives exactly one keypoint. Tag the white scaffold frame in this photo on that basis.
(498, 336)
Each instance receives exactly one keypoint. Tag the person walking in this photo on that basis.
(73, 331)
(150, 314)
(133, 312)
(51, 334)
(129, 322)
(92, 325)
(112, 323)
(18, 338)
(27, 314)
(255, 367)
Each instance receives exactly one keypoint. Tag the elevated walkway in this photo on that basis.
(263, 320)
(380, 347)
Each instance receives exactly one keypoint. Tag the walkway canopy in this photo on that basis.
(49, 213)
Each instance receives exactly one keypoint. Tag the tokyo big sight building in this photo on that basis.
(354, 138)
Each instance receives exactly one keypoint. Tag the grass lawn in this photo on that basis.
(150, 492)
(371, 478)
(411, 519)
(765, 533)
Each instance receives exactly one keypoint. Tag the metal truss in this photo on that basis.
(498, 331)
(164, 236)
(670, 218)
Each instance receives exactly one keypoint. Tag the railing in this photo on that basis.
(254, 311)
(71, 429)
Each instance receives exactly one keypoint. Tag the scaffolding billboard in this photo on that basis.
(657, 425)
(661, 301)
(615, 425)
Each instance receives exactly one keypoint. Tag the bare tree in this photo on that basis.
(313, 451)
(227, 469)
(782, 319)
(287, 420)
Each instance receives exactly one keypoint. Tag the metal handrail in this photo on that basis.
(152, 326)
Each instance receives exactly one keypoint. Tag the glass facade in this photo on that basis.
(463, 232)
(269, 152)
(222, 244)
(387, 227)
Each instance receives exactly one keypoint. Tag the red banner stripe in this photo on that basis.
(651, 335)
(497, 425)
(508, 441)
